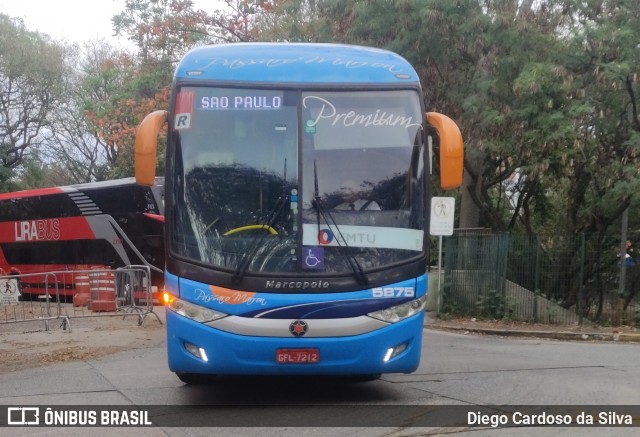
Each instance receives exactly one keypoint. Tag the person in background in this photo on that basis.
(629, 260)
(354, 198)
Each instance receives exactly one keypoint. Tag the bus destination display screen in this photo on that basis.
(240, 100)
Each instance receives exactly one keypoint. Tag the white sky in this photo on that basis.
(71, 20)
(75, 20)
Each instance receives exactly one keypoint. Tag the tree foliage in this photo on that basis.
(122, 88)
(160, 29)
(604, 62)
(117, 92)
(545, 91)
(32, 71)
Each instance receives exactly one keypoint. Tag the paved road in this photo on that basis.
(456, 369)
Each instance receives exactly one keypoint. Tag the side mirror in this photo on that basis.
(451, 150)
(146, 147)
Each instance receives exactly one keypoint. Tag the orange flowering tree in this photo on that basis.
(118, 93)
(122, 88)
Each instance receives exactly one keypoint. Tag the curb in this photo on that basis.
(555, 335)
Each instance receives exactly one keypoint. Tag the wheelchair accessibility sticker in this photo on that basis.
(313, 258)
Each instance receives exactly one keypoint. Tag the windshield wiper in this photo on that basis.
(258, 240)
(343, 247)
(256, 243)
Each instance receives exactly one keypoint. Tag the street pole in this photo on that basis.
(623, 249)
(439, 271)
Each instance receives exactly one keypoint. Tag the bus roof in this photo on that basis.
(70, 188)
(296, 63)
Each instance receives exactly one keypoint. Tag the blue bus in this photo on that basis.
(296, 209)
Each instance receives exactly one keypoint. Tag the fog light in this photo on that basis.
(387, 356)
(196, 351)
(393, 352)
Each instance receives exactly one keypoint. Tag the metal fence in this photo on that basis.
(61, 296)
(546, 279)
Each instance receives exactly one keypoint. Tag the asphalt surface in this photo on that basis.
(93, 382)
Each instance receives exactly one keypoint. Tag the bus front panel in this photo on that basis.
(369, 331)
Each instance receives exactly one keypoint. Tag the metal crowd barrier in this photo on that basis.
(96, 291)
(44, 307)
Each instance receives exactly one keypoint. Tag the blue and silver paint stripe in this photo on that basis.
(280, 327)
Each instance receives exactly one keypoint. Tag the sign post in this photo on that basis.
(9, 292)
(442, 215)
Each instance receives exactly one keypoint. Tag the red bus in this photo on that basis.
(107, 224)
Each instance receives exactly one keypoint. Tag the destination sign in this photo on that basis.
(255, 101)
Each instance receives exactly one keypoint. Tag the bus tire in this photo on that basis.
(195, 378)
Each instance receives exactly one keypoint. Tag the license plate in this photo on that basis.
(297, 356)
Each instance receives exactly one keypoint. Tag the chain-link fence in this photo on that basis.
(546, 279)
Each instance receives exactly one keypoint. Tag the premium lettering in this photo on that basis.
(351, 118)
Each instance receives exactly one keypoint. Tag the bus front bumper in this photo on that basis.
(197, 348)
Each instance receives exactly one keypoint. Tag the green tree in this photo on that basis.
(73, 141)
(32, 71)
(504, 69)
(518, 114)
(160, 29)
(287, 20)
(163, 30)
(113, 95)
(604, 64)
(38, 173)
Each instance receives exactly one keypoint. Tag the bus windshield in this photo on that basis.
(290, 181)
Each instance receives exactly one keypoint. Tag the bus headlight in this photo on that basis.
(194, 312)
(400, 312)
